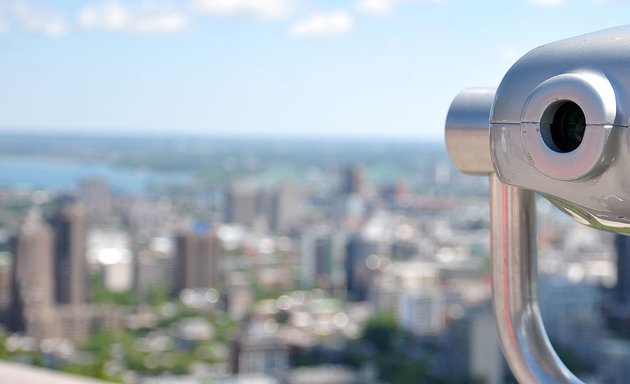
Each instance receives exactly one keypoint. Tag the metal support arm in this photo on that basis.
(522, 335)
(514, 275)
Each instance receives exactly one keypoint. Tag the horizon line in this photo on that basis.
(14, 131)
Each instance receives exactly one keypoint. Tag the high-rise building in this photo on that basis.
(614, 367)
(353, 182)
(111, 250)
(239, 295)
(32, 299)
(278, 208)
(197, 255)
(5, 282)
(69, 227)
(50, 279)
(286, 211)
(472, 352)
(96, 198)
(321, 256)
(308, 258)
(422, 311)
(358, 249)
(242, 205)
(154, 267)
(411, 290)
(571, 315)
(622, 289)
(617, 309)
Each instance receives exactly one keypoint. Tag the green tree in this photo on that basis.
(157, 295)
(381, 331)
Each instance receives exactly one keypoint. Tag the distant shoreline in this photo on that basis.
(89, 133)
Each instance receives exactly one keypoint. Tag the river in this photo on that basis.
(55, 174)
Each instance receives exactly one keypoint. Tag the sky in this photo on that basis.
(299, 68)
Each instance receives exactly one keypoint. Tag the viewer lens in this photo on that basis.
(567, 127)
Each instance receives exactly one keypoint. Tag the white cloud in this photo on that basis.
(375, 7)
(322, 25)
(260, 9)
(147, 17)
(22, 15)
(385, 7)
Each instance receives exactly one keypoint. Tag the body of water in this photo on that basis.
(54, 174)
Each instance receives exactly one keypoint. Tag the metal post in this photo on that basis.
(522, 335)
(514, 274)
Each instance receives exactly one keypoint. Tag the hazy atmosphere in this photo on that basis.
(386, 68)
(258, 192)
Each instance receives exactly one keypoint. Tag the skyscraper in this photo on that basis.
(622, 289)
(472, 348)
(357, 275)
(32, 299)
(242, 205)
(69, 227)
(353, 181)
(570, 312)
(422, 311)
(96, 198)
(321, 258)
(197, 259)
(617, 308)
(286, 211)
(317, 258)
(49, 284)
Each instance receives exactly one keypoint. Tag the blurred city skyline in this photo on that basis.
(192, 260)
(146, 259)
(222, 190)
(365, 68)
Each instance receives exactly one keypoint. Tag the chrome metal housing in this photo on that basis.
(588, 179)
(590, 183)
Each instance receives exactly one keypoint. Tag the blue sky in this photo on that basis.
(367, 68)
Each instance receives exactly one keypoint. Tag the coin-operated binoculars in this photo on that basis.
(557, 125)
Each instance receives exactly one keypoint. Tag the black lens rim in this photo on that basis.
(563, 126)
